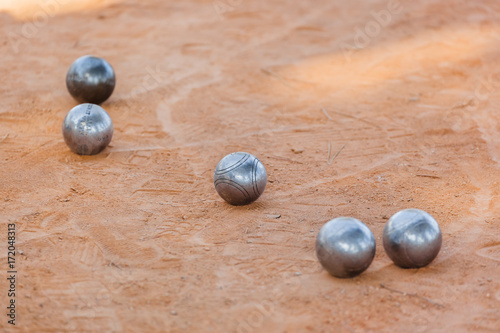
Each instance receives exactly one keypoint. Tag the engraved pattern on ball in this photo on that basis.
(345, 247)
(412, 238)
(90, 80)
(240, 178)
(87, 129)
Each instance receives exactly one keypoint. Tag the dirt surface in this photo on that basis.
(347, 123)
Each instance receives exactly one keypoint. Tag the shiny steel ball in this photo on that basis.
(90, 80)
(412, 238)
(240, 178)
(345, 247)
(87, 129)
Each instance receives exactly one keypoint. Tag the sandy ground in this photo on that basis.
(136, 238)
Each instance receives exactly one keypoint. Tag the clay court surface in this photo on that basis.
(136, 239)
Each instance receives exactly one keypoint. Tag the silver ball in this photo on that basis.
(90, 80)
(87, 129)
(345, 247)
(240, 178)
(412, 238)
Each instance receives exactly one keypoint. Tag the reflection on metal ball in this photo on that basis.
(240, 178)
(90, 80)
(345, 247)
(87, 129)
(412, 238)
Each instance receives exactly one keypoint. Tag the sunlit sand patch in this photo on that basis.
(32, 10)
(374, 65)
